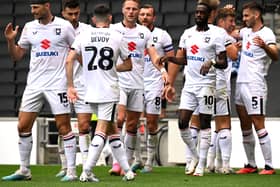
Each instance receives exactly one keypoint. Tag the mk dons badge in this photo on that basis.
(58, 31)
(207, 39)
(141, 35)
(155, 39)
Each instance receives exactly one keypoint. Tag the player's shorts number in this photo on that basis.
(105, 61)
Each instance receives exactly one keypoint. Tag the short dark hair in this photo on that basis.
(70, 4)
(253, 5)
(38, 1)
(137, 1)
(149, 6)
(224, 12)
(101, 10)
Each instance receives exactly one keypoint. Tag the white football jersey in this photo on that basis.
(223, 75)
(77, 69)
(254, 62)
(49, 48)
(137, 39)
(100, 48)
(201, 47)
(163, 44)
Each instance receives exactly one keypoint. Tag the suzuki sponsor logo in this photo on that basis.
(194, 49)
(46, 44)
(131, 46)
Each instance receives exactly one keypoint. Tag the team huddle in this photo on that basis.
(117, 71)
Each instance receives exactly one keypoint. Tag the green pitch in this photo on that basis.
(44, 176)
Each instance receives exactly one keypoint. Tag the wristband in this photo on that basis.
(162, 70)
(213, 62)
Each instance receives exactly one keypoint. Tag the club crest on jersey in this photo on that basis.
(207, 39)
(155, 39)
(141, 35)
(58, 31)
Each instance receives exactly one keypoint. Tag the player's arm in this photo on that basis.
(232, 51)
(15, 51)
(125, 66)
(71, 92)
(220, 63)
(270, 49)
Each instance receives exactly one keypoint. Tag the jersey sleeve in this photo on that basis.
(124, 52)
(70, 36)
(77, 46)
(167, 42)
(221, 41)
(24, 41)
(182, 41)
(269, 37)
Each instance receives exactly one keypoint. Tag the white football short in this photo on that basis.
(152, 101)
(201, 97)
(222, 103)
(104, 111)
(252, 96)
(33, 100)
(80, 106)
(133, 99)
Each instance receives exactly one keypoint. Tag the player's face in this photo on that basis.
(229, 24)
(201, 15)
(146, 17)
(249, 17)
(72, 15)
(130, 11)
(39, 11)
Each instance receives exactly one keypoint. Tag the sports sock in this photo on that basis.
(61, 152)
(151, 149)
(194, 133)
(84, 141)
(70, 150)
(118, 150)
(130, 144)
(94, 150)
(25, 146)
(225, 144)
(212, 150)
(265, 144)
(137, 152)
(249, 146)
(187, 138)
(205, 138)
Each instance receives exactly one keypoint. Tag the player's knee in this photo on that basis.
(183, 123)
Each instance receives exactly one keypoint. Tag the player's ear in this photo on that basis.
(110, 18)
(93, 19)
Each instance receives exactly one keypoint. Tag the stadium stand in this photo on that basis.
(175, 16)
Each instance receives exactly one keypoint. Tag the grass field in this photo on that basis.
(44, 176)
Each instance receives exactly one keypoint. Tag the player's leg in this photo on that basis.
(62, 157)
(84, 137)
(31, 104)
(194, 128)
(247, 131)
(205, 97)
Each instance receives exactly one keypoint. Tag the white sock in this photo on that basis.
(194, 132)
(70, 151)
(84, 141)
(130, 144)
(205, 138)
(265, 144)
(212, 150)
(94, 150)
(118, 150)
(25, 146)
(187, 138)
(151, 149)
(225, 144)
(249, 146)
(137, 152)
(61, 152)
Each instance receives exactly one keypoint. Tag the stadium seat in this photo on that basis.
(6, 7)
(116, 7)
(168, 6)
(6, 63)
(7, 76)
(159, 19)
(7, 89)
(191, 6)
(3, 48)
(21, 76)
(7, 107)
(181, 19)
(176, 32)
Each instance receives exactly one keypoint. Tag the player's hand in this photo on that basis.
(259, 42)
(165, 78)
(205, 67)
(72, 94)
(169, 93)
(10, 33)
